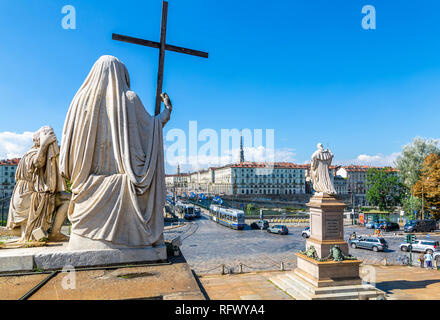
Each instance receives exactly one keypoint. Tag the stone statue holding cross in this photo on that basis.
(112, 153)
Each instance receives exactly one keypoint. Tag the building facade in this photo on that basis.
(246, 178)
(352, 180)
(7, 184)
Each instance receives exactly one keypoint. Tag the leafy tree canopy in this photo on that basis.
(384, 189)
(428, 186)
(410, 162)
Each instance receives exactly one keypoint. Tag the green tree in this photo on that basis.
(384, 189)
(410, 204)
(428, 187)
(410, 164)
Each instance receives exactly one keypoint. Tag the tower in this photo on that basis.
(241, 148)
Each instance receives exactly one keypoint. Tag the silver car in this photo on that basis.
(426, 246)
(375, 244)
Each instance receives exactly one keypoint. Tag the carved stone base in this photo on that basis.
(322, 273)
(323, 247)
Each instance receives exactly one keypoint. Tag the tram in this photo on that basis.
(232, 218)
(185, 210)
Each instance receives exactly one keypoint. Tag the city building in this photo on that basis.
(352, 180)
(7, 184)
(244, 178)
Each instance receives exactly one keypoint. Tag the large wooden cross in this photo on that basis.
(162, 46)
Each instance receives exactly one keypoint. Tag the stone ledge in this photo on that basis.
(57, 257)
(98, 258)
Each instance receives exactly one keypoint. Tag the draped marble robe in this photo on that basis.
(47, 182)
(21, 196)
(319, 171)
(33, 199)
(112, 153)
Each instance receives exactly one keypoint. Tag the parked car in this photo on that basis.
(370, 225)
(260, 224)
(306, 232)
(278, 228)
(428, 225)
(375, 244)
(436, 257)
(421, 246)
(389, 226)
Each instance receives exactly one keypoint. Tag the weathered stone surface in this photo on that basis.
(56, 257)
(15, 287)
(90, 258)
(16, 263)
(168, 282)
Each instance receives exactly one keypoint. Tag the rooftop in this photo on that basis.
(9, 162)
(275, 165)
(354, 168)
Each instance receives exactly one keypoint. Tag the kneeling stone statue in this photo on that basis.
(39, 201)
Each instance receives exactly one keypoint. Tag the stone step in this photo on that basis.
(284, 285)
(301, 290)
(297, 295)
(326, 290)
(353, 295)
(299, 283)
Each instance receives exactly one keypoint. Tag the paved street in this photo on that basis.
(208, 245)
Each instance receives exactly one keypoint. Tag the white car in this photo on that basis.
(426, 246)
(436, 257)
(306, 232)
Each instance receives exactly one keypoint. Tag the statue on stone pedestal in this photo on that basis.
(112, 152)
(39, 194)
(319, 171)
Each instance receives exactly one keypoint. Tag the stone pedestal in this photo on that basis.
(314, 279)
(326, 224)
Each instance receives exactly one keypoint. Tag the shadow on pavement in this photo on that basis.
(388, 286)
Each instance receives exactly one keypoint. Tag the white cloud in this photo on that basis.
(14, 145)
(378, 160)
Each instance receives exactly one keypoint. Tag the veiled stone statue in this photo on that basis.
(39, 193)
(112, 153)
(319, 171)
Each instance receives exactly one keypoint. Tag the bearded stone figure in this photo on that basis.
(39, 193)
(319, 171)
(112, 152)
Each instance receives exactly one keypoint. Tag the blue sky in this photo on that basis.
(304, 68)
